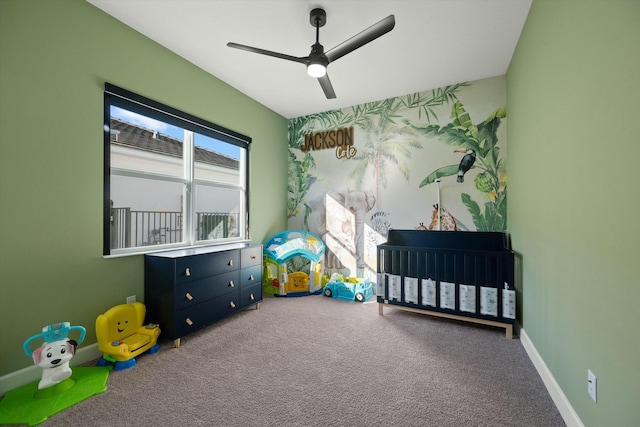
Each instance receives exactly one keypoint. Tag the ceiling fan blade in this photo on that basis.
(362, 38)
(326, 86)
(267, 52)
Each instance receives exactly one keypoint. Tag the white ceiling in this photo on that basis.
(434, 43)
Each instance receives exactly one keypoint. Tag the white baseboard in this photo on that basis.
(34, 373)
(569, 415)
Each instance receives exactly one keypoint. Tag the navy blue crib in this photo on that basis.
(461, 275)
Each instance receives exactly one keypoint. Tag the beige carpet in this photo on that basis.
(317, 361)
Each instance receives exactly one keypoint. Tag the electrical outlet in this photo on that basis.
(591, 385)
(131, 299)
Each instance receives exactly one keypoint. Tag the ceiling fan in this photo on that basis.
(318, 60)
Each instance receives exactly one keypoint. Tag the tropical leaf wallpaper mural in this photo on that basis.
(478, 142)
(355, 173)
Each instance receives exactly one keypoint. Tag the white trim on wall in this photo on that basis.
(562, 403)
(33, 373)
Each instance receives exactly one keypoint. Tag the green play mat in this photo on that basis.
(28, 405)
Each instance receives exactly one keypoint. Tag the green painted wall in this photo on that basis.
(54, 59)
(573, 94)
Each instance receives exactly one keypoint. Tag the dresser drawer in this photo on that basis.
(250, 294)
(199, 266)
(251, 275)
(197, 291)
(251, 256)
(193, 318)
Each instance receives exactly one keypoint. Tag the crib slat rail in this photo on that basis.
(465, 276)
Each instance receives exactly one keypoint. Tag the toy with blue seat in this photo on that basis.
(122, 335)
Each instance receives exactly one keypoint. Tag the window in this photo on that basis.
(170, 179)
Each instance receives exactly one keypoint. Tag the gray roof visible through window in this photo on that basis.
(137, 137)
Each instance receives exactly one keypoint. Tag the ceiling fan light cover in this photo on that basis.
(316, 70)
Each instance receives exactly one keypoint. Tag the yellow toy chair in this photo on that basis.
(122, 336)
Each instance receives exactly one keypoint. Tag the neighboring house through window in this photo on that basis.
(171, 179)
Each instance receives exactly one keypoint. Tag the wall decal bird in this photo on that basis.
(467, 161)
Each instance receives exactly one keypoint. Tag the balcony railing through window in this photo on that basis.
(134, 228)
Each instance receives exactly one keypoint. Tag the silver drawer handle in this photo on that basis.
(232, 304)
(251, 277)
(252, 297)
(231, 284)
(230, 262)
(189, 321)
(187, 272)
(189, 296)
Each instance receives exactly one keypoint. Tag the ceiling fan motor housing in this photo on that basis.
(318, 17)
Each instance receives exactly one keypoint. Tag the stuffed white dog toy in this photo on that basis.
(53, 358)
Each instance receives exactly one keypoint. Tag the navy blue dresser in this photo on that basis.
(188, 289)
